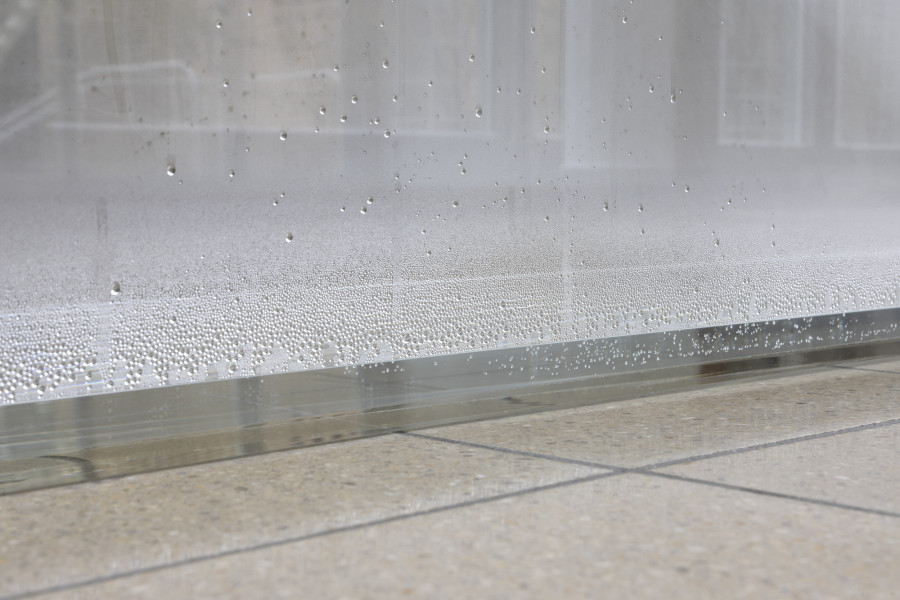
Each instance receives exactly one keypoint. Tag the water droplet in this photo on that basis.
(343, 118)
(354, 99)
(717, 242)
(231, 173)
(455, 203)
(387, 133)
(478, 111)
(249, 12)
(337, 67)
(218, 24)
(546, 129)
(225, 83)
(687, 188)
(672, 98)
(471, 58)
(289, 238)
(606, 206)
(376, 120)
(283, 135)
(370, 200)
(518, 90)
(116, 288)
(321, 110)
(543, 69)
(624, 19)
(363, 210)
(652, 89)
(547, 217)
(343, 208)
(170, 170)
(394, 98)
(385, 64)
(640, 208)
(533, 29)
(430, 83)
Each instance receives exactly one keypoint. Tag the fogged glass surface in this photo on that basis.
(202, 190)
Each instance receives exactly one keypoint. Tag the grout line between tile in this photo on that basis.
(648, 470)
(741, 488)
(861, 369)
(305, 537)
(561, 459)
(660, 465)
(794, 440)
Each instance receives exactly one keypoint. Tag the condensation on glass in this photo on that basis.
(206, 190)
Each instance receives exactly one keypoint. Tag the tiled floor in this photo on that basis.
(772, 487)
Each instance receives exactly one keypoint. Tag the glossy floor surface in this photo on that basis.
(770, 487)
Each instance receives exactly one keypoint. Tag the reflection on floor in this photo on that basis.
(769, 487)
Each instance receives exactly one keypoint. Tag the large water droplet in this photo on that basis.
(387, 133)
(170, 170)
(283, 135)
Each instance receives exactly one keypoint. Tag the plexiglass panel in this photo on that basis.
(206, 190)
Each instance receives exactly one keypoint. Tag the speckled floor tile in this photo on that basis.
(860, 468)
(651, 430)
(628, 536)
(57, 536)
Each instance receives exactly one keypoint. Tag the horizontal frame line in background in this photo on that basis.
(96, 437)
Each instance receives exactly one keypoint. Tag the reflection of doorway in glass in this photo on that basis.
(761, 73)
(868, 75)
